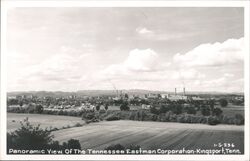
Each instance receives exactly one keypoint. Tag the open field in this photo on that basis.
(153, 135)
(149, 135)
(13, 120)
(231, 110)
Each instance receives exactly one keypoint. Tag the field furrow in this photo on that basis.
(148, 135)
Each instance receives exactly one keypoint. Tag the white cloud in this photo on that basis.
(230, 51)
(143, 30)
(142, 60)
(188, 74)
(80, 50)
(224, 84)
(60, 68)
(228, 75)
(146, 60)
(87, 45)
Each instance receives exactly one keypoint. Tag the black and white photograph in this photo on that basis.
(140, 81)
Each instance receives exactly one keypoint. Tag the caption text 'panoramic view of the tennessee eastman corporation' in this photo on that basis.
(155, 80)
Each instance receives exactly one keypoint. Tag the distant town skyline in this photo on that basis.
(72, 49)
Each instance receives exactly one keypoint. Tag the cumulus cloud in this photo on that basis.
(60, 67)
(230, 51)
(146, 60)
(143, 30)
(188, 74)
(142, 60)
(228, 75)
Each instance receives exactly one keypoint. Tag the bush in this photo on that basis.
(164, 109)
(173, 118)
(60, 112)
(54, 129)
(205, 111)
(78, 125)
(213, 120)
(124, 106)
(239, 119)
(133, 147)
(132, 115)
(112, 118)
(106, 107)
(72, 144)
(223, 102)
(88, 116)
(29, 137)
(153, 110)
(115, 147)
(217, 111)
(184, 119)
(38, 109)
(139, 115)
(97, 107)
(191, 110)
(102, 111)
(177, 109)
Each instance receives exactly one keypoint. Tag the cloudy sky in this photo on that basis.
(70, 49)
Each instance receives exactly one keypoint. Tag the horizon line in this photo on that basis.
(26, 91)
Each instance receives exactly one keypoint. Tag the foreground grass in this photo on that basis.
(153, 135)
(149, 135)
(46, 121)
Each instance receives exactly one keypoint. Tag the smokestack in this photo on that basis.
(175, 91)
(184, 92)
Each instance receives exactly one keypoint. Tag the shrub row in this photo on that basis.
(143, 115)
(171, 117)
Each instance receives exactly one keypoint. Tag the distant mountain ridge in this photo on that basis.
(109, 93)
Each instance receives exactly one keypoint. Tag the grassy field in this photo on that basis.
(149, 135)
(153, 135)
(13, 120)
(231, 110)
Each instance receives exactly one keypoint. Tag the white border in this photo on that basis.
(9, 3)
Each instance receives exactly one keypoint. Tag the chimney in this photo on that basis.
(184, 92)
(175, 91)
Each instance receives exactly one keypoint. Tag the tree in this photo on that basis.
(21, 103)
(213, 120)
(29, 137)
(211, 104)
(88, 116)
(205, 111)
(72, 144)
(38, 109)
(106, 107)
(77, 103)
(239, 119)
(223, 102)
(97, 107)
(177, 109)
(153, 110)
(134, 147)
(217, 112)
(164, 108)
(124, 106)
(191, 110)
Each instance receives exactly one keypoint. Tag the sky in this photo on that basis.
(70, 49)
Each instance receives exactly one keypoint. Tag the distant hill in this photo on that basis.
(107, 93)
